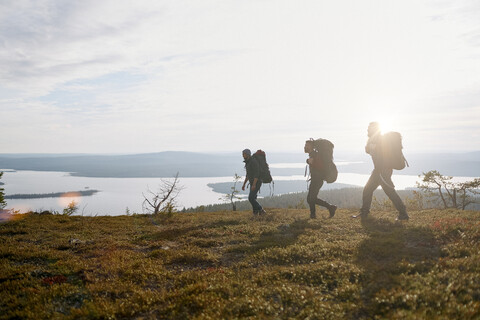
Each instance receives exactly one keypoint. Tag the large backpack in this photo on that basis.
(325, 148)
(391, 147)
(261, 158)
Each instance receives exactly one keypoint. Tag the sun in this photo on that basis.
(386, 124)
(385, 112)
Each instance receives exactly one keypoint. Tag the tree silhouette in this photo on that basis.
(232, 196)
(163, 200)
(451, 194)
(3, 203)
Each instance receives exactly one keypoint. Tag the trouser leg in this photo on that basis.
(313, 189)
(372, 184)
(252, 197)
(389, 189)
(312, 197)
(323, 203)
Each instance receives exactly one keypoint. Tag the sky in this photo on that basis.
(117, 76)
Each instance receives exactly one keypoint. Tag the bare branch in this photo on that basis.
(459, 195)
(164, 198)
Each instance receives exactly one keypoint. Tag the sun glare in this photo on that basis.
(385, 112)
(68, 197)
(386, 124)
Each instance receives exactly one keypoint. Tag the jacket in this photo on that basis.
(374, 149)
(317, 167)
(253, 169)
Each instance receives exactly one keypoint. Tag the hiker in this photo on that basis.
(318, 173)
(381, 175)
(253, 177)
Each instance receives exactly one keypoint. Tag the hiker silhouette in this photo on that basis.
(380, 176)
(318, 161)
(253, 177)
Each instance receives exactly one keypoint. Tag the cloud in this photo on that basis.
(46, 43)
(192, 75)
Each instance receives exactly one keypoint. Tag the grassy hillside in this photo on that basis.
(232, 265)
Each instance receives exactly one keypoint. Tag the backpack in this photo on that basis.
(391, 148)
(325, 148)
(261, 158)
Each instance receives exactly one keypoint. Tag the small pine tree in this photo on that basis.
(70, 209)
(3, 203)
(232, 196)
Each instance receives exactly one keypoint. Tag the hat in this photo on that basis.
(247, 152)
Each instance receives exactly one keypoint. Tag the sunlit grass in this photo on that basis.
(233, 265)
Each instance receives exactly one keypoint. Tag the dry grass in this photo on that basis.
(232, 265)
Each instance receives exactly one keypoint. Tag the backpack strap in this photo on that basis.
(272, 188)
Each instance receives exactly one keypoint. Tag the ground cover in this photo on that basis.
(232, 265)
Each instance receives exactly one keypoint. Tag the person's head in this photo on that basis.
(373, 129)
(308, 146)
(246, 154)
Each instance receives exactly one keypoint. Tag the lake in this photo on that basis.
(118, 194)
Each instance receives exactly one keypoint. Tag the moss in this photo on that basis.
(231, 265)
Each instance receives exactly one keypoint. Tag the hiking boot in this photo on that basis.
(261, 212)
(332, 210)
(313, 216)
(361, 215)
(402, 217)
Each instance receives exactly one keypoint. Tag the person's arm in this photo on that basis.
(245, 182)
(372, 145)
(255, 173)
(315, 161)
(254, 184)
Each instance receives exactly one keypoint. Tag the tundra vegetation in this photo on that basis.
(231, 265)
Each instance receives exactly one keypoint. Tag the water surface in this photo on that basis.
(117, 194)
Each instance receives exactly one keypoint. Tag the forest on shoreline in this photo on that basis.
(82, 193)
(347, 198)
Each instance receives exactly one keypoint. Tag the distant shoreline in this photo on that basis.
(84, 193)
(191, 164)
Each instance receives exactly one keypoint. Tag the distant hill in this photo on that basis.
(191, 164)
(163, 164)
(453, 164)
